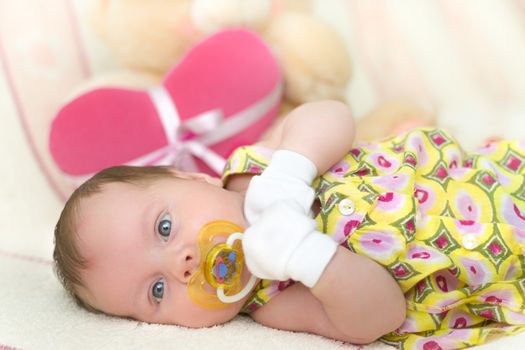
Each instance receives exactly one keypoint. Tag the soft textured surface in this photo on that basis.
(464, 59)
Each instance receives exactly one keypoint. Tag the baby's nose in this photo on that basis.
(186, 264)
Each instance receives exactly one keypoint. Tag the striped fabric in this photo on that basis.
(463, 59)
(445, 53)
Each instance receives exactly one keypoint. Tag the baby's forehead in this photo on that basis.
(117, 207)
(100, 215)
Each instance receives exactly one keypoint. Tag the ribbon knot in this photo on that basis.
(190, 140)
(181, 150)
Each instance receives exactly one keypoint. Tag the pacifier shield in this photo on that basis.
(223, 267)
(220, 267)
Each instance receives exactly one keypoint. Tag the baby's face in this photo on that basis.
(140, 244)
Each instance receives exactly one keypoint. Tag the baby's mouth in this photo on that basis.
(217, 280)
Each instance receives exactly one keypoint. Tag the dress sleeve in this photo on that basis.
(247, 160)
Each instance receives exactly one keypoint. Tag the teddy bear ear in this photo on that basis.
(102, 128)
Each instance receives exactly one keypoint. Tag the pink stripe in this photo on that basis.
(6, 347)
(385, 54)
(32, 64)
(23, 122)
(478, 60)
(24, 257)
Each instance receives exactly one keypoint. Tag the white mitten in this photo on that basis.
(284, 244)
(288, 176)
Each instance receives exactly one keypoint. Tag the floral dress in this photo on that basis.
(448, 226)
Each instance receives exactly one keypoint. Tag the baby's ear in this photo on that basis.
(215, 181)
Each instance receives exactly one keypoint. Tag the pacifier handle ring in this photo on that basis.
(228, 299)
(233, 237)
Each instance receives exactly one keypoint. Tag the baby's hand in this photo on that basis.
(288, 176)
(284, 244)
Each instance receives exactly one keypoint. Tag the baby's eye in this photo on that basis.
(157, 291)
(164, 227)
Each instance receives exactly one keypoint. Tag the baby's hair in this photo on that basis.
(68, 260)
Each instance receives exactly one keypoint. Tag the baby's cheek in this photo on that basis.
(189, 314)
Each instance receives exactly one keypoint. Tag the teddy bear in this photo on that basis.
(393, 117)
(148, 37)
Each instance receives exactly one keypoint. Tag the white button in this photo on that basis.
(346, 207)
(470, 241)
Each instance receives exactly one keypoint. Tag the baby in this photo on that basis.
(408, 240)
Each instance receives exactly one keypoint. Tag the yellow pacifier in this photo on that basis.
(217, 281)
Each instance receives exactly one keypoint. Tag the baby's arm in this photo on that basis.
(312, 138)
(360, 296)
(354, 301)
(342, 295)
(321, 131)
